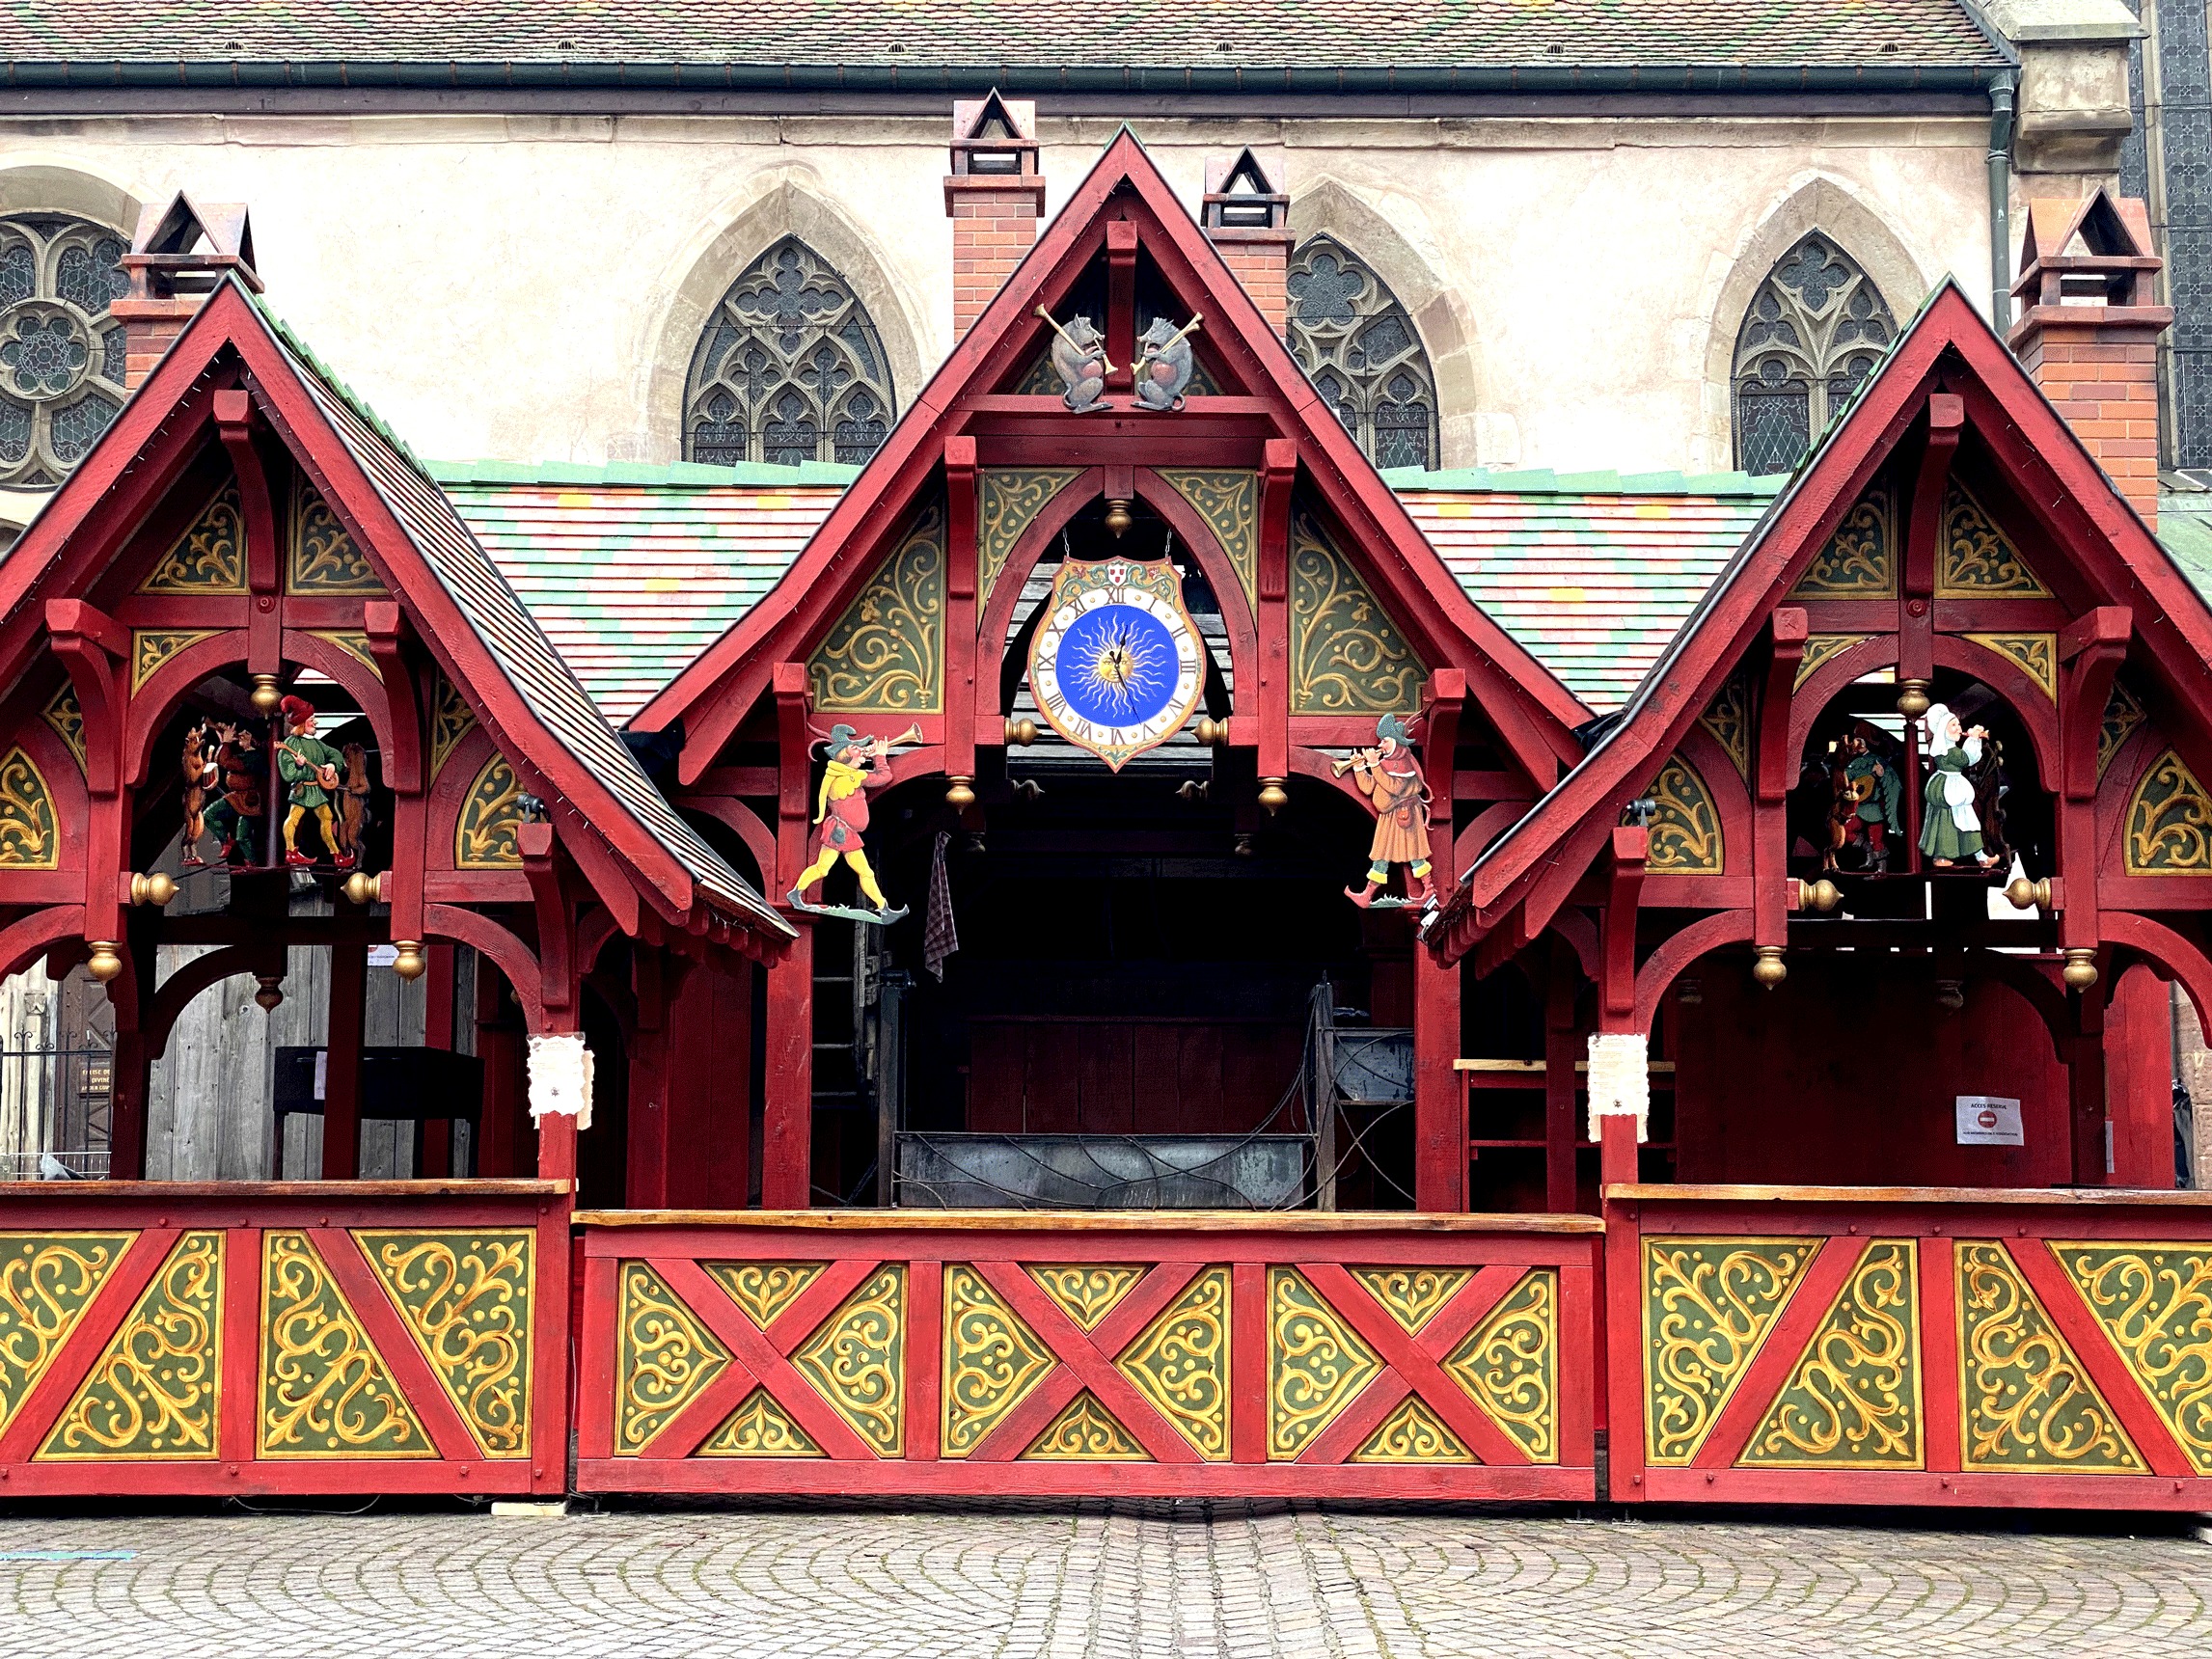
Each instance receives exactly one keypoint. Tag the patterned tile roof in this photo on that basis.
(2185, 532)
(631, 581)
(1155, 43)
(532, 664)
(632, 577)
(1591, 573)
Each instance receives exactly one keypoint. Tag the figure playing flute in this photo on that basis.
(1389, 775)
(841, 820)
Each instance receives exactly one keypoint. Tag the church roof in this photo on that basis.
(632, 571)
(1251, 45)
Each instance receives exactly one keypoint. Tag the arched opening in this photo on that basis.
(1812, 336)
(1884, 805)
(1359, 348)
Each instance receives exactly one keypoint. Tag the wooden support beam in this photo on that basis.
(1775, 771)
(1439, 1101)
(962, 648)
(2086, 1079)
(1562, 1049)
(1272, 704)
(435, 1141)
(342, 1040)
(787, 1125)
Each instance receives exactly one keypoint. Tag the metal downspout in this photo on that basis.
(2001, 91)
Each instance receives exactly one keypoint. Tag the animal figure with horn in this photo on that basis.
(851, 768)
(237, 772)
(353, 816)
(1389, 775)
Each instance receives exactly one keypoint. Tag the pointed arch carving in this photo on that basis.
(780, 202)
(886, 655)
(1810, 201)
(1685, 831)
(488, 833)
(1815, 329)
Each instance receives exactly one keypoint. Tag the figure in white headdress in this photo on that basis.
(1951, 830)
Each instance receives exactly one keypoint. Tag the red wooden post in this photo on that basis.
(652, 1127)
(1276, 484)
(787, 1128)
(499, 1043)
(2085, 1084)
(438, 1033)
(1439, 1107)
(341, 1063)
(1563, 1047)
(962, 650)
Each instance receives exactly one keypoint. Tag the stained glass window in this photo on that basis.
(788, 369)
(1813, 333)
(61, 354)
(1359, 348)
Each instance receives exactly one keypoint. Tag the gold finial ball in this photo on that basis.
(409, 961)
(266, 696)
(2081, 970)
(156, 889)
(271, 994)
(961, 796)
(1117, 519)
(1824, 895)
(105, 963)
(360, 887)
(1912, 698)
(1273, 796)
(1211, 731)
(2024, 894)
(1769, 969)
(1022, 731)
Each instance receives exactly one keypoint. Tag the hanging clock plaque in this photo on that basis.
(1116, 667)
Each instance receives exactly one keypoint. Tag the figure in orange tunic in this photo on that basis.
(1389, 775)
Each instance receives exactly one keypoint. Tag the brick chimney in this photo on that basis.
(994, 197)
(177, 255)
(1246, 216)
(2089, 331)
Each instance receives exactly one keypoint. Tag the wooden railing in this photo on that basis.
(292, 1337)
(1910, 1345)
(1004, 1353)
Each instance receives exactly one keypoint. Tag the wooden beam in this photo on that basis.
(343, 1041)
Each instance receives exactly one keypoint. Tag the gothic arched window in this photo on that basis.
(1813, 333)
(61, 355)
(1358, 348)
(789, 368)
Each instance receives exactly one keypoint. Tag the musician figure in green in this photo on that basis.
(309, 770)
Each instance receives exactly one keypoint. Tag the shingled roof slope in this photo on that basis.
(632, 580)
(632, 571)
(919, 39)
(532, 664)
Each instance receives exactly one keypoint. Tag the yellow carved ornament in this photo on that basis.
(856, 1361)
(886, 655)
(466, 1297)
(2027, 1405)
(30, 839)
(1509, 1365)
(151, 1394)
(1853, 1398)
(210, 556)
(1181, 1363)
(488, 834)
(991, 1361)
(662, 1357)
(1709, 1304)
(325, 1391)
(2169, 830)
(1085, 1432)
(2154, 1302)
(1317, 1364)
(47, 1282)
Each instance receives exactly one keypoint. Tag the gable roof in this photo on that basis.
(1251, 45)
(1532, 712)
(559, 735)
(1714, 635)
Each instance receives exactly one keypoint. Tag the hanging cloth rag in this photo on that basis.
(940, 937)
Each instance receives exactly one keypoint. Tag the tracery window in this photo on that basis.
(1813, 333)
(61, 355)
(789, 368)
(1358, 348)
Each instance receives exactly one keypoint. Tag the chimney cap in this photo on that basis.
(1242, 194)
(2096, 249)
(994, 135)
(186, 246)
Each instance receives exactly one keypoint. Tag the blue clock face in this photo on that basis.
(1117, 665)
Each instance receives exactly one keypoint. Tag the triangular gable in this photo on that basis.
(474, 625)
(1533, 712)
(2051, 469)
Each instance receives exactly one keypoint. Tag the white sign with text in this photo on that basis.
(1990, 1120)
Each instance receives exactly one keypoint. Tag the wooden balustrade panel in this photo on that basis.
(1001, 1353)
(1902, 1346)
(296, 1336)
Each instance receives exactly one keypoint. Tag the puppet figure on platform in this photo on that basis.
(1870, 792)
(1390, 776)
(237, 772)
(309, 767)
(841, 821)
(1953, 828)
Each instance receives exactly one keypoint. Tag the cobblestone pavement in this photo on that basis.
(1198, 1581)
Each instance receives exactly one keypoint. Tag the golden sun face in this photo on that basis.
(1118, 664)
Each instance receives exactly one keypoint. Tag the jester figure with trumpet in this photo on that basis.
(1389, 775)
(851, 769)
